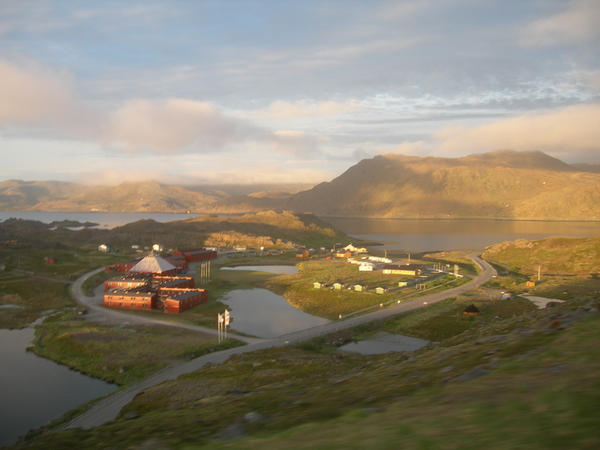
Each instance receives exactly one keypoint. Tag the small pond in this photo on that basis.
(270, 269)
(385, 342)
(34, 390)
(261, 313)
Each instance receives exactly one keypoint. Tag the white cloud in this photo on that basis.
(281, 109)
(292, 142)
(32, 96)
(113, 177)
(35, 96)
(174, 126)
(260, 174)
(571, 134)
(579, 23)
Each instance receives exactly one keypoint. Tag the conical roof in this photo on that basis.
(152, 264)
(471, 309)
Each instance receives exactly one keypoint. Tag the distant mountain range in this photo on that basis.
(499, 184)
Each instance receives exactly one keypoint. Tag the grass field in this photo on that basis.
(121, 355)
(519, 382)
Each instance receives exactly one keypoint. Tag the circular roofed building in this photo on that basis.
(155, 265)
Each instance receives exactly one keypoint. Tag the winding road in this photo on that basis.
(108, 409)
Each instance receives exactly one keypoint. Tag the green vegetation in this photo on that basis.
(519, 382)
(567, 267)
(25, 298)
(329, 303)
(512, 377)
(117, 354)
(552, 256)
(444, 320)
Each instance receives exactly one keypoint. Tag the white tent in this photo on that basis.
(152, 264)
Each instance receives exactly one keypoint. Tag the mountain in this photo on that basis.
(500, 184)
(17, 195)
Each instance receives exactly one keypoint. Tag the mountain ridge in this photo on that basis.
(503, 184)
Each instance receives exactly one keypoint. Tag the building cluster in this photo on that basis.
(372, 263)
(154, 282)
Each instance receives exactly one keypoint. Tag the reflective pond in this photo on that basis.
(383, 343)
(261, 313)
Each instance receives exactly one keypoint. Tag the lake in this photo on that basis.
(427, 235)
(261, 313)
(34, 390)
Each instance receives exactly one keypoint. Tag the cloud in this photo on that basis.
(294, 143)
(287, 110)
(34, 96)
(577, 24)
(174, 126)
(113, 177)
(571, 133)
(265, 174)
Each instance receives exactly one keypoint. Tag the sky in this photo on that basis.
(194, 92)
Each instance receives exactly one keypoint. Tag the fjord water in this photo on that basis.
(34, 390)
(427, 235)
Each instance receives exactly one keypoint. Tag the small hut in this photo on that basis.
(471, 310)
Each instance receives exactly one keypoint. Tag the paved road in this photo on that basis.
(108, 409)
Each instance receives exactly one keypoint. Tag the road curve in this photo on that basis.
(108, 409)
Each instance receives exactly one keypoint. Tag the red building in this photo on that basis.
(200, 254)
(127, 282)
(151, 283)
(121, 298)
(178, 300)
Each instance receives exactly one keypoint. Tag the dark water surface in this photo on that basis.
(34, 390)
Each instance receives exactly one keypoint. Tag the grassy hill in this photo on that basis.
(267, 229)
(527, 381)
(555, 255)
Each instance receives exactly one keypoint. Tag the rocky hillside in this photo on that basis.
(502, 184)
